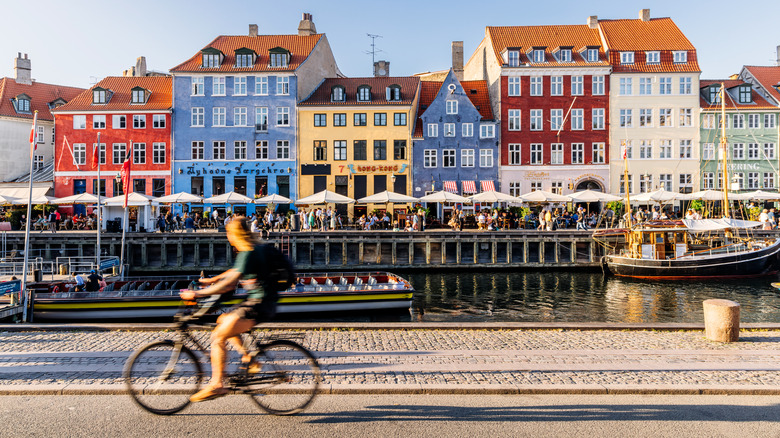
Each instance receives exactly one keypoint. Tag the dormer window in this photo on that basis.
(279, 57)
(513, 58)
(22, 103)
(245, 58)
(364, 93)
(680, 57)
(337, 94)
(139, 95)
(714, 95)
(592, 55)
(56, 103)
(745, 96)
(99, 96)
(537, 54)
(626, 58)
(564, 54)
(393, 93)
(211, 58)
(653, 57)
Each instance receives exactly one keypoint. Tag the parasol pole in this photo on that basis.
(24, 292)
(99, 216)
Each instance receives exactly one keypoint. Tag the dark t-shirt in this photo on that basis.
(93, 282)
(249, 264)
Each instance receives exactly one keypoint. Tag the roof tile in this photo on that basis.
(121, 86)
(768, 77)
(321, 96)
(551, 37)
(40, 96)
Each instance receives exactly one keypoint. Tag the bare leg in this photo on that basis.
(229, 327)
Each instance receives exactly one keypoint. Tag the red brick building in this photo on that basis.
(132, 116)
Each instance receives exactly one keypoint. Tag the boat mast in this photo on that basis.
(724, 150)
(625, 181)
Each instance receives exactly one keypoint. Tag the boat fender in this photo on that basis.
(604, 268)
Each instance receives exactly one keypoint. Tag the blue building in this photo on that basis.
(235, 118)
(456, 142)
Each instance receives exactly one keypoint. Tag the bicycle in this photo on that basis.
(161, 376)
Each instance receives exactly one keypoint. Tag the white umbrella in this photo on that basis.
(493, 196)
(705, 195)
(273, 199)
(387, 197)
(228, 198)
(660, 195)
(179, 198)
(37, 200)
(134, 199)
(444, 196)
(6, 200)
(542, 196)
(592, 196)
(325, 197)
(82, 198)
(758, 195)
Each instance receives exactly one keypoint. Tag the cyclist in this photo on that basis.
(245, 315)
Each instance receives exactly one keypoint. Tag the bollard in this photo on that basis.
(115, 270)
(721, 320)
(64, 270)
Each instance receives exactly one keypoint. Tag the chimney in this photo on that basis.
(381, 69)
(253, 30)
(457, 59)
(23, 69)
(140, 67)
(644, 15)
(306, 26)
(778, 56)
(593, 21)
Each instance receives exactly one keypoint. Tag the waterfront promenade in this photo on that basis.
(418, 358)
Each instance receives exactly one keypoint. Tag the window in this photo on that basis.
(239, 150)
(219, 116)
(158, 153)
(261, 150)
(139, 121)
(564, 55)
(645, 183)
(738, 151)
(513, 86)
(487, 131)
(769, 180)
(686, 117)
(485, 158)
(102, 152)
(340, 119)
(577, 153)
(399, 119)
(646, 86)
(79, 122)
(513, 58)
(686, 183)
(592, 55)
(753, 121)
(556, 153)
(538, 55)
(261, 85)
(627, 148)
(714, 95)
(53, 130)
(625, 86)
(359, 150)
(665, 117)
(467, 130)
(665, 149)
(448, 158)
(597, 115)
(399, 149)
(22, 104)
(556, 86)
(197, 117)
(536, 119)
(685, 86)
(393, 93)
(219, 150)
(79, 154)
(467, 158)
(158, 121)
(359, 119)
(449, 130)
(738, 121)
(514, 154)
(708, 121)
(320, 150)
(645, 117)
(686, 150)
(513, 117)
(626, 118)
(429, 158)
(218, 86)
(665, 181)
(210, 60)
(665, 86)
(653, 57)
(239, 86)
(623, 184)
(645, 149)
(261, 119)
(536, 185)
(320, 120)
(337, 94)
(753, 151)
(98, 96)
(738, 181)
(283, 85)
(433, 130)
(380, 149)
(119, 122)
(139, 153)
(119, 152)
(708, 151)
(680, 57)
(536, 153)
(769, 151)
(556, 119)
(626, 57)
(279, 58)
(708, 180)
(752, 180)
(283, 116)
(197, 151)
(536, 86)
(598, 85)
(244, 59)
(99, 122)
(380, 119)
(138, 95)
(339, 150)
(599, 153)
(577, 119)
(556, 187)
(283, 149)
(769, 120)
(452, 106)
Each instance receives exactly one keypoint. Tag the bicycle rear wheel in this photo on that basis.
(288, 379)
(162, 376)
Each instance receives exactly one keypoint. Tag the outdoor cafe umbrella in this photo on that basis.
(705, 195)
(492, 196)
(179, 198)
(8, 200)
(325, 197)
(273, 199)
(228, 198)
(387, 197)
(81, 198)
(660, 196)
(592, 196)
(134, 199)
(37, 200)
(758, 195)
(543, 197)
(445, 196)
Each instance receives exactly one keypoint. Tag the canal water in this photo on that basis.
(556, 296)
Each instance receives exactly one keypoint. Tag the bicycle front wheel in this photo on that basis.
(162, 376)
(288, 379)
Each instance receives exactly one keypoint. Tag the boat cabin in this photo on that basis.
(658, 244)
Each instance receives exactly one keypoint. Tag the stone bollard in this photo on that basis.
(721, 320)
(64, 270)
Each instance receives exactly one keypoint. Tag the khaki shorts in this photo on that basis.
(255, 309)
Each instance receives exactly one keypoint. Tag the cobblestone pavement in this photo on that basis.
(444, 360)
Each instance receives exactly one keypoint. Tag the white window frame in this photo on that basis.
(598, 119)
(626, 87)
(645, 149)
(738, 151)
(536, 154)
(686, 85)
(537, 86)
(592, 55)
(119, 121)
(451, 106)
(753, 151)
(599, 152)
(467, 130)
(261, 118)
(665, 85)
(514, 120)
(239, 150)
(283, 116)
(197, 150)
(556, 119)
(261, 150)
(578, 153)
(197, 116)
(645, 117)
(198, 86)
(239, 86)
(577, 85)
(139, 153)
(536, 119)
(79, 154)
(686, 117)
(513, 86)
(158, 153)
(486, 158)
(653, 57)
(449, 130)
(665, 117)
(282, 149)
(645, 86)
(219, 150)
(261, 85)
(430, 159)
(768, 180)
(626, 119)
(686, 149)
(158, 121)
(665, 149)
(556, 86)
(680, 57)
(577, 119)
(626, 58)
(597, 85)
(487, 130)
(665, 181)
(433, 130)
(282, 85)
(448, 158)
(118, 153)
(708, 151)
(219, 116)
(770, 121)
(556, 153)
(218, 86)
(515, 154)
(139, 121)
(80, 122)
(240, 117)
(467, 158)
(769, 151)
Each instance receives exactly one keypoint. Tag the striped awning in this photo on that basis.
(450, 186)
(487, 186)
(469, 187)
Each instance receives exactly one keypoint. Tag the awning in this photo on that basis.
(469, 187)
(24, 192)
(487, 186)
(450, 186)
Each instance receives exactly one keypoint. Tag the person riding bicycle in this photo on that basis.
(260, 304)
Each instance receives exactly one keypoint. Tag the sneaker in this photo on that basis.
(208, 393)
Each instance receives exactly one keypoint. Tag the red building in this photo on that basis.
(132, 116)
(551, 86)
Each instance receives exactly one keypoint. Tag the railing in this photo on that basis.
(80, 265)
(15, 267)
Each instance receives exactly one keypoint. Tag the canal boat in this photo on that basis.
(159, 299)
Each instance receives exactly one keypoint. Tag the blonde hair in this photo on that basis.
(240, 233)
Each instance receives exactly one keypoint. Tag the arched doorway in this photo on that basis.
(589, 184)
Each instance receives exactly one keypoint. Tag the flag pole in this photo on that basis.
(24, 292)
(99, 183)
(125, 187)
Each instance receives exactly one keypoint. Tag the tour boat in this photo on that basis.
(159, 299)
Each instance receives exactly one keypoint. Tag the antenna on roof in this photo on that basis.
(373, 50)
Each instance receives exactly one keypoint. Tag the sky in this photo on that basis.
(79, 42)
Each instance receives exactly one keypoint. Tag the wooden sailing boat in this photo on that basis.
(674, 249)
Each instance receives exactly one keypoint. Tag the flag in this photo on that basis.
(126, 178)
(624, 150)
(62, 154)
(33, 142)
(96, 153)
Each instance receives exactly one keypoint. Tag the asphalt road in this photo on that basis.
(404, 415)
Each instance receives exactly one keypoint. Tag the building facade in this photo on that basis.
(236, 122)
(355, 137)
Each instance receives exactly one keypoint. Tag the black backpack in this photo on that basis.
(276, 270)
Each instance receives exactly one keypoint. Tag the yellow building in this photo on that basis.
(355, 138)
